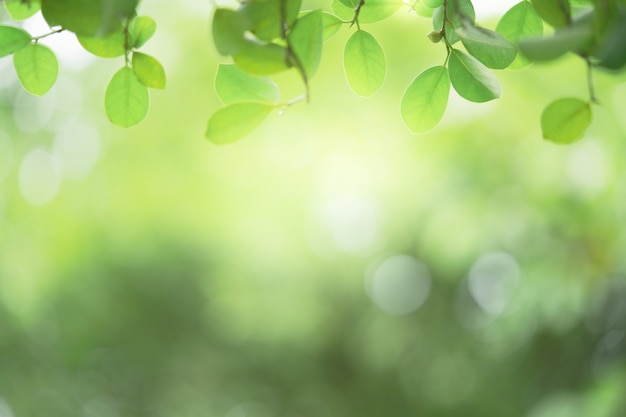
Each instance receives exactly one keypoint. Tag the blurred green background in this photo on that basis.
(331, 264)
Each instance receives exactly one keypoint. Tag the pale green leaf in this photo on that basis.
(432, 3)
(12, 39)
(331, 25)
(148, 70)
(371, 11)
(233, 85)
(425, 100)
(126, 100)
(489, 47)
(471, 79)
(520, 22)
(107, 46)
(20, 10)
(365, 64)
(37, 68)
(141, 30)
(306, 41)
(231, 123)
(261, 59)
(565, 120)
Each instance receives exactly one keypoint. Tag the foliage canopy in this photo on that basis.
(267, 37)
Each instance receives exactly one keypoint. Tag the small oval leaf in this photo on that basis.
(425, 100)
(306, 41)
(365, 63)
(141, 30)
(471, 79)
(126, 99)
(12, 39)
(37, 68)
(331, 25)
(565, 120)
(231, 123)
(521, 21)
(148, 70)
(21, 10)
(489, 47)
(233, 85)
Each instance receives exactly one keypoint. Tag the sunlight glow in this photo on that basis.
(39, 177)
(352, 222)
(493, 280)
(399, 285)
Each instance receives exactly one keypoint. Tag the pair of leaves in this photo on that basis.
(126, 99)
(364, 63)
(425, 100)
(36, 65)
(249, 100)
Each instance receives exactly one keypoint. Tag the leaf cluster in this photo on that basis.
(105, 28)
(266, 37)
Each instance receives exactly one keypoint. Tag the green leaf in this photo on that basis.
(331, 25)
(425, 100)
(228, 29)
(148, 70)
(12, 39)
(306, 41)
(20, 10)
(261, 59)
(432, 3)
(126, 99)
(612, 50)
(556, 12)
(567, 39)
(231, 123)
(107, 46)
(264, 17)
(141, 30)
(365, 64)
(520, 22)
(565, 120)
(233, 85)
(372, 11)
(88, 17)
(460, 13)
(489, 47)
(471, 79)
(422, 10)
(37, 68)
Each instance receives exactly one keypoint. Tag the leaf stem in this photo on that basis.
(284, 106)
(37, 38)
(291, 56)
(357, 10)
(590, 84)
